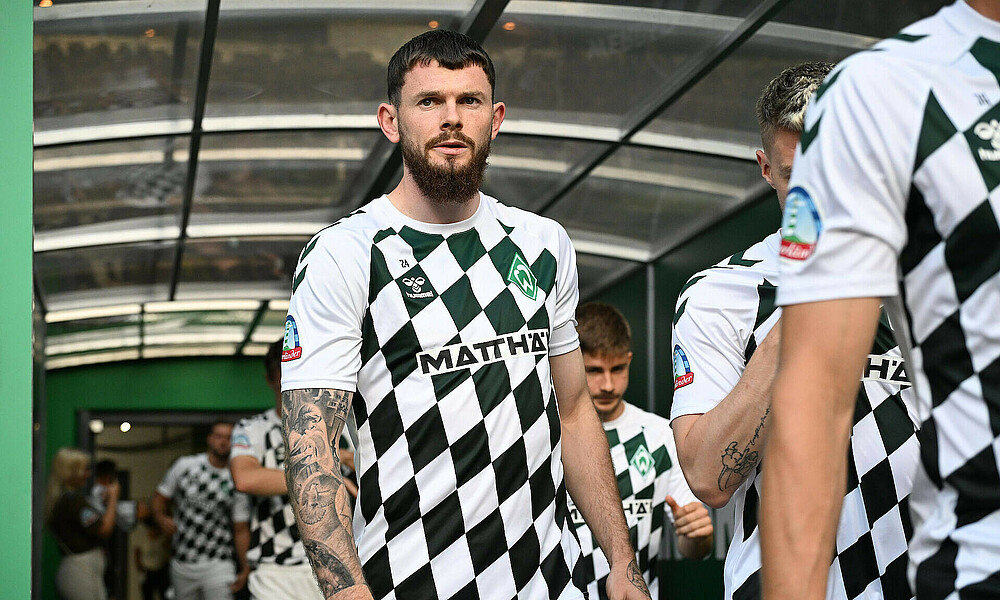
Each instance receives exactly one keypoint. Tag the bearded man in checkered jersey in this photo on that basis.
(443, 321)
(652, 487)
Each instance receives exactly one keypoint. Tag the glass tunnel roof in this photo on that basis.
(185, 150)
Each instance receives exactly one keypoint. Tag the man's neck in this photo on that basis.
(988, 8)
(216, 461)
(409, 200)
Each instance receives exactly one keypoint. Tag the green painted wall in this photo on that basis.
(209, 384)
(15, 297)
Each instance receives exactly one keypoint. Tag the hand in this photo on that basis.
(241, 580)
(627, 583)
(166, 524)
(691, 520)
(111, 492)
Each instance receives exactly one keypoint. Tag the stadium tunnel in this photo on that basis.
(185, 150)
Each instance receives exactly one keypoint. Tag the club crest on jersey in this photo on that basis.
(642, 461)
(682, 369)
(521, 276)
(291, 349)
(800, 225)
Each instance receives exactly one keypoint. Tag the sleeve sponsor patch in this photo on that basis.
(800, 225)
(291, 349)
(241, 440)
(682, 369)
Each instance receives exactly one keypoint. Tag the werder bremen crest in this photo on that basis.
(521, 276)
(642, 461)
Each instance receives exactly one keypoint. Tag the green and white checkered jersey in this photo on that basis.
(445, 332)
(722, 316)
(645, 462)
(898, 174)
(274, 535)
(204, 509)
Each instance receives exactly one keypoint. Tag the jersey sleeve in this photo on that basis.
(844, 224)
(247, 441)
(708, 353)
(564, 337)
(322, 347)
(168, 485)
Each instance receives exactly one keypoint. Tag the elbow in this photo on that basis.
(241, 484)
(707, 490)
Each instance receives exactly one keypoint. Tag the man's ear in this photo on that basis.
(388, 122)
(765, 167)
(499, 110)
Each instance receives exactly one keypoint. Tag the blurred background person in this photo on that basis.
(152, 558)
(200, 489)
(79, 525)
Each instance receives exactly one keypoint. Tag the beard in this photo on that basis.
(448, 183)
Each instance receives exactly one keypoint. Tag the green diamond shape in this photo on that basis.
(642, 461)
(521, 276)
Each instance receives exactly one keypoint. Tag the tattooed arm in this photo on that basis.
(719, 449)
(312, 420)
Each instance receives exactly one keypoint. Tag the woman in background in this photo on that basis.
(79, 525)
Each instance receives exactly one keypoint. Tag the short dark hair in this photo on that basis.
(782, 104)
(105, 468)
(452, 50)
(272, 360)
(603, 329)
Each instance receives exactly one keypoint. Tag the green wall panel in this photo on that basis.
(15, 297)
(208, 384)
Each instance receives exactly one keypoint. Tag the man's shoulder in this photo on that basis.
(260, 420)
(524, 221)
(186, 463)
(734, 277)
(355, 230)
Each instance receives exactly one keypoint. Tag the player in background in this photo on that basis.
(894, 199)
(725, 355)
(652, 488)
(200, 490)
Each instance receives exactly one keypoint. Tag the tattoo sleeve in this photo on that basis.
(312, 420)
(737, 464)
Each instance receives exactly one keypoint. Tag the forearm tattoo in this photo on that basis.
(635, 577)
(312, 420)
(737, 465)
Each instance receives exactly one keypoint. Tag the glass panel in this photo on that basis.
(269, 180)
(859, 16)
(591, 64)
(524, 171)
(101, 63)
(270, 328)
(597, 271)
(105, 275)
(189, 350)
(732, 8)
(196, 327)
(239, 268)
(92, 334)
(721, 106)
(90, 358)
(323, 61)
(653, 197)
(86, 194)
